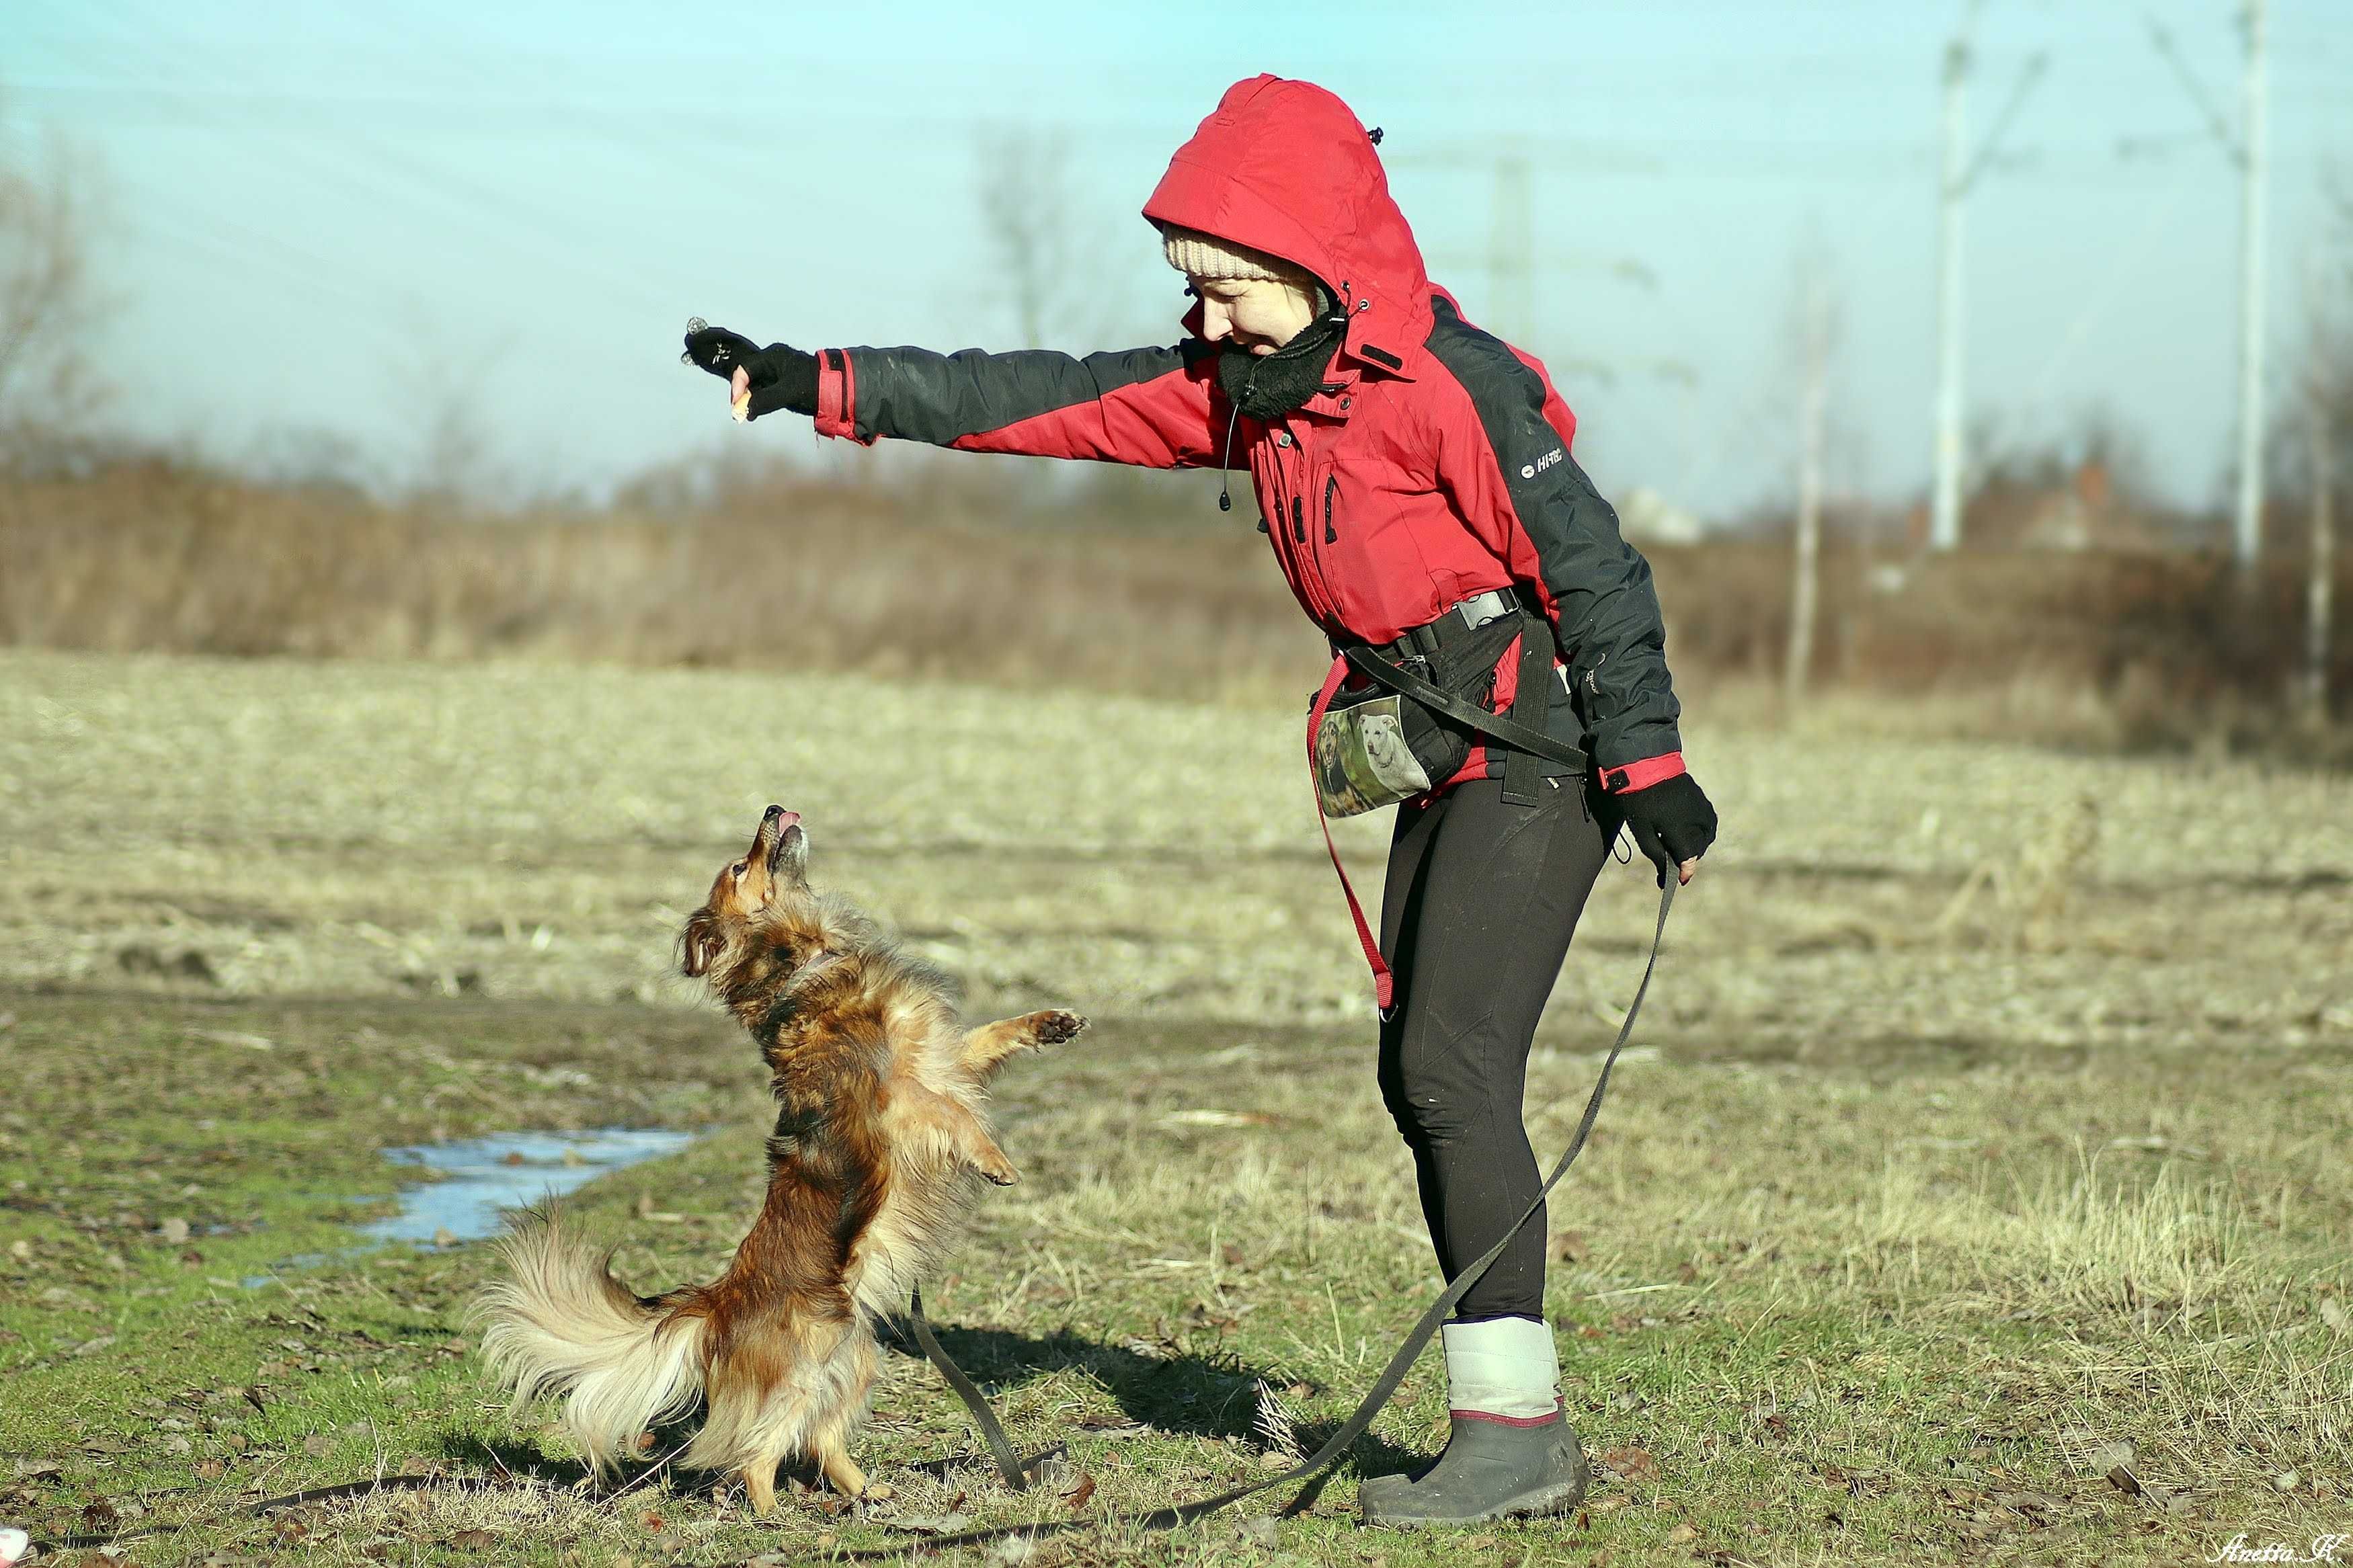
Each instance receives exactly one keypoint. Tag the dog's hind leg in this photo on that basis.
(830, 1443)
(986, 1048)
(759, 1471)
(843, 1472)
(760, 1486)
(761, 1428)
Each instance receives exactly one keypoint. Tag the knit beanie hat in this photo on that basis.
(1204, 256)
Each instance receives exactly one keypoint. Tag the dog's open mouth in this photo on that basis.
(782, 829)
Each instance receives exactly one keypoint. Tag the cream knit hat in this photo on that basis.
(1198, 255)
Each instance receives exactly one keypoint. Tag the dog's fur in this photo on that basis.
(881, 1145)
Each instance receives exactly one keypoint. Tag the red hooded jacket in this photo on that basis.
(1438, 467)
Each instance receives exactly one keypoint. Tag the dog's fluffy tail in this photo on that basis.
(559, 1323)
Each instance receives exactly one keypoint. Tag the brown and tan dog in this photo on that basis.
(881, 1145)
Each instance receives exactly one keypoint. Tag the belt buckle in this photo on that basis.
(1496, 607)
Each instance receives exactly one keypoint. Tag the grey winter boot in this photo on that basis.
(1510, 1452)
(1489, 1470)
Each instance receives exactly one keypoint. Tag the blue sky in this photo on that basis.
(355, 218)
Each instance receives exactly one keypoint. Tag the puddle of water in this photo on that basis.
(483, 1177)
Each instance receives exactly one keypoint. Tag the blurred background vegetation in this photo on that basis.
(1117, 584)
(2088, 603)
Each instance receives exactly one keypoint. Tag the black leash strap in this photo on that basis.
(1398, 679)
(1400, 1364)
(1008, 1464)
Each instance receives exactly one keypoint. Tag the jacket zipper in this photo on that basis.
(1300, 561)
(1310, 556)
(1331, 484)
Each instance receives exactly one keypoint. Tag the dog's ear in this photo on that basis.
(703, 943)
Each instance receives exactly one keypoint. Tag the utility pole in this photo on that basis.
(1511, 249)
(2250, 151)
(1814, 330)
(1510, 261)
(1945, 499)
(2248, 536)
(1955, 180)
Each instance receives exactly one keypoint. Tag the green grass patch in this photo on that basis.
(1875, 1312)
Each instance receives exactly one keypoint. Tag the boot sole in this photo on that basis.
(1559, 1497)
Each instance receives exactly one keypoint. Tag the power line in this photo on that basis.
(501, 211)
(2215, 125)
(712, 132)
(168, 214)
(2249, 151)
(1511, 261)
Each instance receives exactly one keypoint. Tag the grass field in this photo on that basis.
(1989, 1117)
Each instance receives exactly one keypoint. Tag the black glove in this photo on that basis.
(1671, 819)
(779, 376)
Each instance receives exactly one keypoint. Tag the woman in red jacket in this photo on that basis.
(1415, 478)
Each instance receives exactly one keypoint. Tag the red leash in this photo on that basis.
(1384, 983)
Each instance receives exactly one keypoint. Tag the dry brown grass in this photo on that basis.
(1127, 582)
(2115, 651)
(1893, 1227)
(783, 573)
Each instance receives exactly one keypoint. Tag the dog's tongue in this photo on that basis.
(788, 819)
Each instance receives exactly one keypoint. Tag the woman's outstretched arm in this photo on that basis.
(1154, 407)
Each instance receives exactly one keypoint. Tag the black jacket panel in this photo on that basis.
(1612, 637)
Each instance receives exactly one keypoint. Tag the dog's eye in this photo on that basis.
(737, 868)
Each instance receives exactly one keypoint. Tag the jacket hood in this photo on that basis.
(1285, 168)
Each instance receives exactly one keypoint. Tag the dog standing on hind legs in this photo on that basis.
(882, 1142)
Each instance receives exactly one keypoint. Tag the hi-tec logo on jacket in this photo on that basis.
(1530, 471)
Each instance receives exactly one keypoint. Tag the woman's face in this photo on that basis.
(1260, 314)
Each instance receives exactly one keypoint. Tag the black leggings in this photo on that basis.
(1480, 900)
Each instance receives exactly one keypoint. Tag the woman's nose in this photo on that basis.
(1214, 324)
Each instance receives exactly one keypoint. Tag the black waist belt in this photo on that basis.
(1468, 616)
(1521, 730)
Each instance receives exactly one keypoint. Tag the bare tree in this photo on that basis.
(2321, 414)
(1028, 218)
(1815, 331)
(453, 460)
(2327, 393)
(451, 465)
(318, 460)
(48, 297)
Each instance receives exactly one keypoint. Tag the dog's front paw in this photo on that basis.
(1054, 1026)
